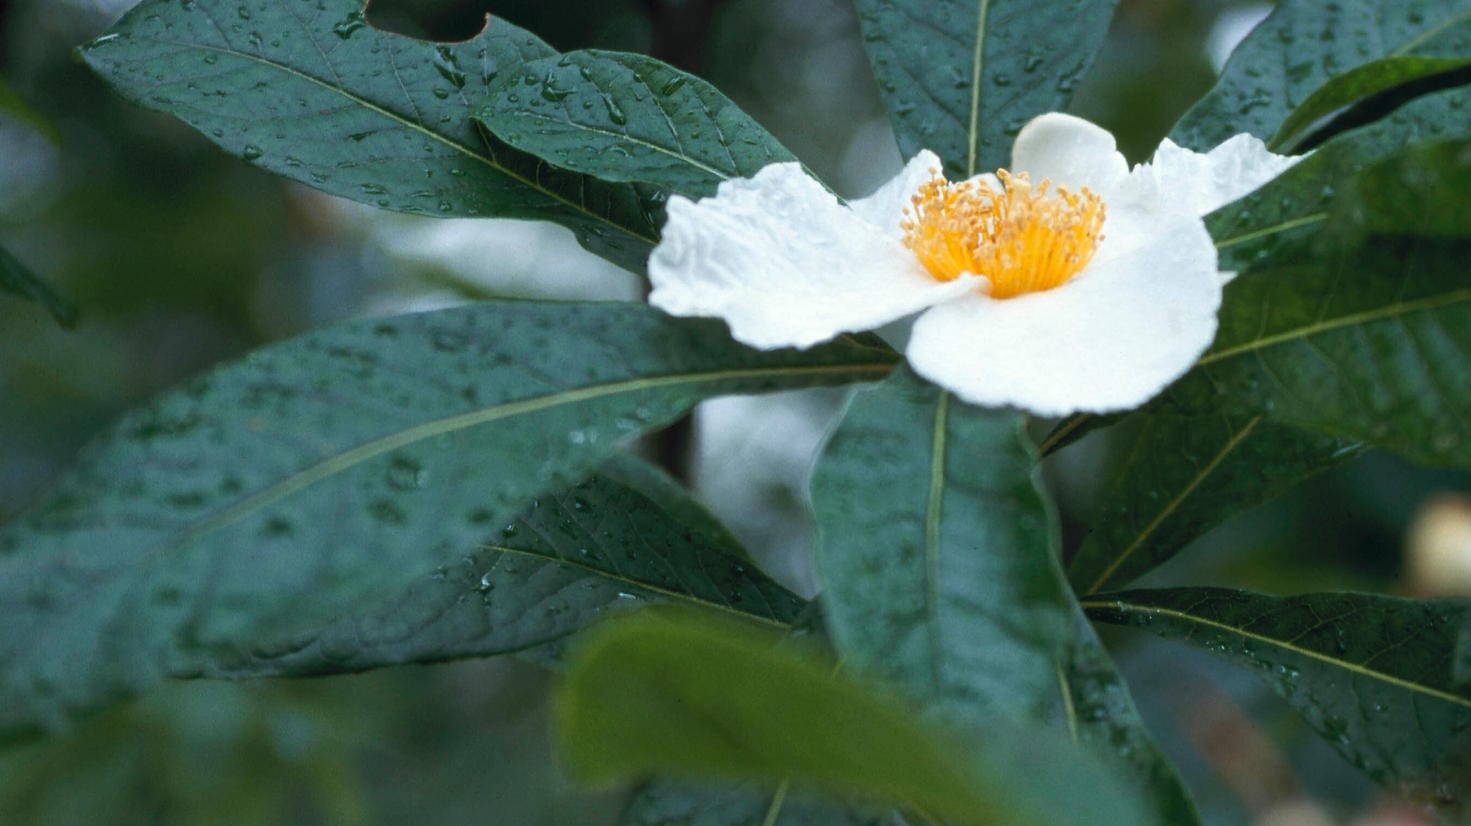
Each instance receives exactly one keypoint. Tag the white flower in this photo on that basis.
(1072, 283)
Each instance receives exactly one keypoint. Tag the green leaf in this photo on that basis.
(619, 538)
(665, 803)
(1461, 668)
(937, 554)
(627, 117)
(962, 78)
(1101, 715)
(311, 92)
(1302, 45)
(1371, 674)
(12, 104)
(1357, 84)
(1173, 477)
(275, 495)
(1362, 334)
(1252, 232)
(680, 694)
(17, 279)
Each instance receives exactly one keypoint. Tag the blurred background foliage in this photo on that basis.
(181, 257)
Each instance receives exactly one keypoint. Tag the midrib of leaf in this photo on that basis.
(608, 133)
(975, 87)
(1175, 503)
(778, 801)
(933, 514)
(1363, 671)
(1067, 703)
(1273, 229)
(677, 596)
(1430, 33)
(377, 447)
(417, 127)
(1389, 311)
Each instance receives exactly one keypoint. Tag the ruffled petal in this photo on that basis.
(1207, 181)
(1108, 340)
(785, 264)
(1071, 151)
(886, 205)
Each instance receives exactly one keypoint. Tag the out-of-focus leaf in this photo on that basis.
(628, 117)
(1371, 674)
(962, 78)
(665, 803)
(12, 104)
(1364, 333)
(1355, 85)
(310, 91)
(17, 279)
(681, 694)
(1303, 44)
(937, 552)
(613, 539)
(1175, 477)
(1461, 669)
(273, 496)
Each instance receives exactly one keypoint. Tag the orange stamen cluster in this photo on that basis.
(1024, 239)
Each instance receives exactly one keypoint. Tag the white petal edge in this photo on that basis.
(885, 206)
(1208, 181)
(785, 265)
(1109, 340)
(1071, 151)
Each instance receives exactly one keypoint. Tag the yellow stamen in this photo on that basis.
(1023, 239)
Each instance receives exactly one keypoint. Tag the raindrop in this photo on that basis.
(405, 473)
(615, 114)
(673, 85)
(251, 152)
(345, 27)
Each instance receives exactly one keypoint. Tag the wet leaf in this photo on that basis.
(275, 495)
(1303, 44)
(1172, 478)
(684, 695)
(1371, 674)
(311, 92)
(18, 279)
(627, 117)
(1354, 85)
(962, 78)
(665, 803)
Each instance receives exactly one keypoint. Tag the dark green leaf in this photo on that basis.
(1461, 669)
(937, 552)
(17, 279)
(664, 803)
(1355, 85)
(962, 78)
(680, 694)
(1371, 674)
(614, 539)
(1101, 715)
(309, 91)
(276, 495)
(1175, 477)
(1364, 333)
(1303, 44)
(12, 104)
(627, 117)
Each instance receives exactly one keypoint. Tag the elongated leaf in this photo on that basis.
(1371, 674)
(12, 104)
(610, 540)
(937, 552)
(682, 694)
(1364, 336)
(17, 279)
(962, 78)
(306, 89)
(665, 803)
(1176, 477)
(627, 117)
(1355, 85)
(1102, 716)
(1303, 44)
(278, 494)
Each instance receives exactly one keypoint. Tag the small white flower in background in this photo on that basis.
(1071, 283)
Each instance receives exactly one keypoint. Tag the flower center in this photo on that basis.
(1024, 239)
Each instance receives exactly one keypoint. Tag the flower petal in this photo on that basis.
(1210, 180)
(785, 264)
(1110, 339)
(1071, 151)
(886, 205)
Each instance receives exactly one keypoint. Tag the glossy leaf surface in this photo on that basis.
(628, 117)
(1357, 84)
(1371, 674)
(962, 78)
(306, 89)
(274, 495)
